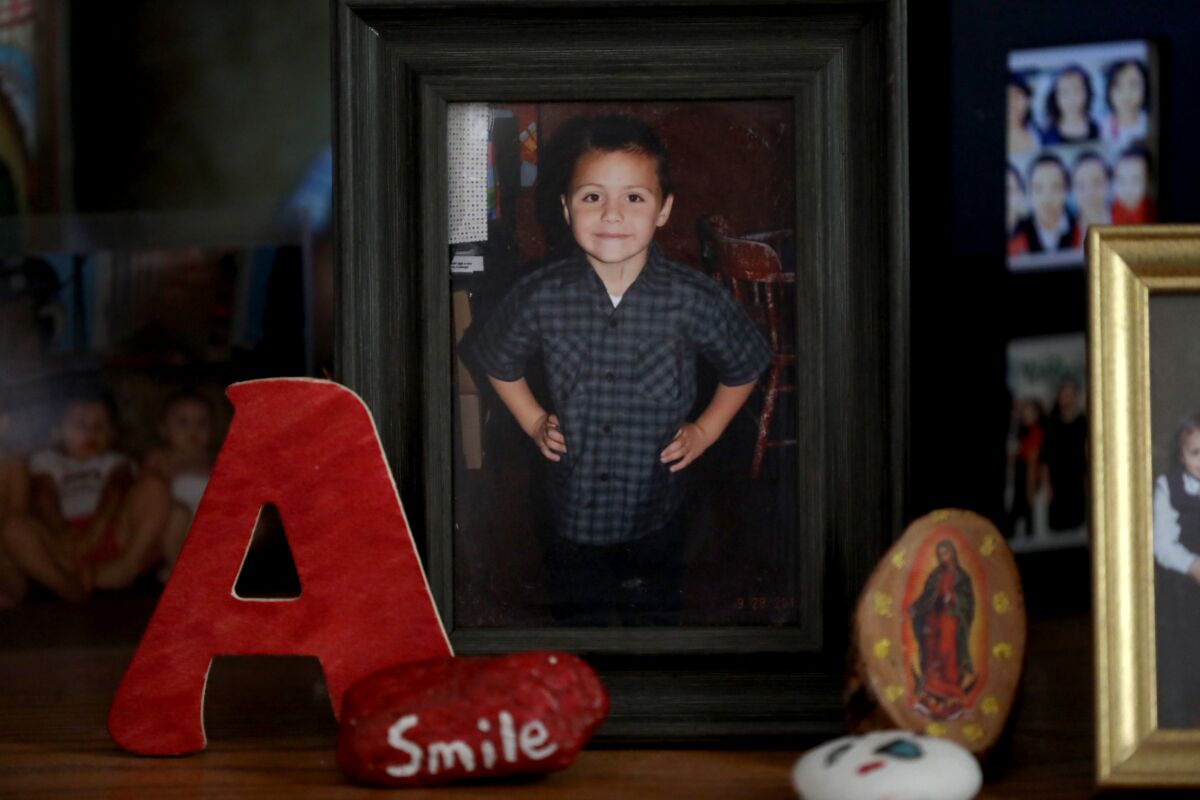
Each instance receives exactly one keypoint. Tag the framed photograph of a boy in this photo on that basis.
(626, 288)
(1145, 369)
(596, 528)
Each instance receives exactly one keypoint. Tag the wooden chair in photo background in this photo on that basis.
(749, 264)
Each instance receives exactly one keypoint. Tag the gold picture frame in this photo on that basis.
(1127, 266)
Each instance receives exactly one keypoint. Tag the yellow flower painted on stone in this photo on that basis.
(935, 729)
(899, 559)
(883, 604)
(882, 648)
(940, 516)
(1001, 603)
(1002, 650)
(893, 693)
(989, 544)
(972, 733)
(990, 706)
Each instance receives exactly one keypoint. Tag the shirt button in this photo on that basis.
(603, 477)
(612, 323)
(587, 503)
(608, 376)
(607, 428)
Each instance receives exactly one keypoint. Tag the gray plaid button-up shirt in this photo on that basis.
(622, 381)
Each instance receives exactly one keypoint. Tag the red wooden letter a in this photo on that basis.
(310, 448)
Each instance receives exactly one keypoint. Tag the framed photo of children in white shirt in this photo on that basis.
(1145, 416)
(630, 312)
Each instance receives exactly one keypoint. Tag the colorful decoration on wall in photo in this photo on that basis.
(939, 634)
(1045, 489)
(18, 103)
(1081, 145)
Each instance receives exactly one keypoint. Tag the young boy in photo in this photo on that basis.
(88, 504)
(619, 328)
(1090, 182)
(27, 552)
(184, 461)
(1050, 228)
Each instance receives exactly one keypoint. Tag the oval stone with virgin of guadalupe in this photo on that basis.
(939, 633)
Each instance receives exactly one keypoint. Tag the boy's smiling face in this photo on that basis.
(614, 206)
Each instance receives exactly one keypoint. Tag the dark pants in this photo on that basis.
(1177, 618)
(640, 582)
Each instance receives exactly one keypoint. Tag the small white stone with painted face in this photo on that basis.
(887, 765)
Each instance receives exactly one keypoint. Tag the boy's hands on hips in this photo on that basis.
(548, 437)
(690, 441)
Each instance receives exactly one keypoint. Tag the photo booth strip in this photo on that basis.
(467, 126)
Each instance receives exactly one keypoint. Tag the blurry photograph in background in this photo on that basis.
(1045, 491)
(113, 367)
(1081, 143)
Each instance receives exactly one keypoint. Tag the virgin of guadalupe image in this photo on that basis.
(941, 620)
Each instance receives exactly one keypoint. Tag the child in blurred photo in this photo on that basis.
(86, 499)
(185, 462)
(1026, 465)
(1177, 576)
(27, 551)
(1127, 96)
(1177, 505)
(1090, 182)
(1022, 133)
(619, 328)
(1131, 183)
(1050, 227)
(1068, 107)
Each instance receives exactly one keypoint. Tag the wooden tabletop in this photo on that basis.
(271, 734)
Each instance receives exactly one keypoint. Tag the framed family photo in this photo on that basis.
(1082, 147)
(500, 165)
(1145, 413)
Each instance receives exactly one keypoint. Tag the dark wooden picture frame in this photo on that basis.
(842, 65)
